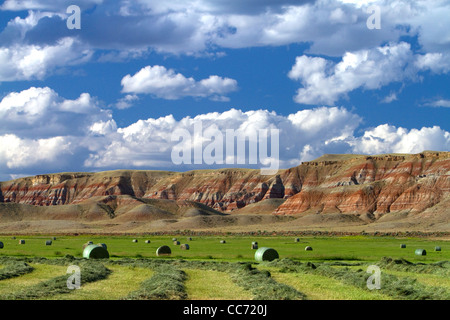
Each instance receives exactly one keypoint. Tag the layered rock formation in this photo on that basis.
(373, 185)
(370, 185)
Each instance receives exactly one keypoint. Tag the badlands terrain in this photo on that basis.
(341, 193)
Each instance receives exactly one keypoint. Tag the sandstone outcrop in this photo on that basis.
(355, 184)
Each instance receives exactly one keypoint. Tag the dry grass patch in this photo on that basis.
(213, 285)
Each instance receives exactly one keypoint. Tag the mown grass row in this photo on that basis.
(170, 277)
(263, 287)
(168, 280)
(441, 268)
(166, 284)
(391, 285)
(13, 269)
(91, 271)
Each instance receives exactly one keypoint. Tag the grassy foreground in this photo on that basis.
(336, 268)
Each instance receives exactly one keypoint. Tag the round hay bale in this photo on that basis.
(403, 246)
(103, 245)
(48, 242)
(297, 239)
(308, 248)
(437, 248)
(184, 246)
(266, 254)
(163, 251)
(189, 239)
(135, 240)
(421, 252)
(94, 251)
(254, 246)
(1, 245)
(176, 243)
(14, 238)
(54, 238)
(174, 239)
(21, 241)
(223, 241)
(147, 241)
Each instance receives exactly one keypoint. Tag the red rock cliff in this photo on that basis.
(333, 183)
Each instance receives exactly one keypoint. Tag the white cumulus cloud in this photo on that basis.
(303, 136)
(21, 153)
(167, 84)
(42, 131)
(148, 142)
(42, 113)
(390, 139)
(30, 62)
(325, 82)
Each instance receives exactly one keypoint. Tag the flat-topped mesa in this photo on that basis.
(357, 184)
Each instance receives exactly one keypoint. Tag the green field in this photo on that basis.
(336, 268)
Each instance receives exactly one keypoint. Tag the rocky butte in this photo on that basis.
(367, 187)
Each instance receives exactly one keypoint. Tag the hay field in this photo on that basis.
(336, 269)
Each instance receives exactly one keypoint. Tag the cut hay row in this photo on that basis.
(402, 288)
(263, 286)
(259, 284)
(169, 280)
(397, 287)
(120, 282)
(166, 284)
(13, 269)
(58, 285)
(439, 268)
(318, 287)
(41, 272)
(431, 280)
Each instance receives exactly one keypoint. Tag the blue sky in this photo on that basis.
(109, 96)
